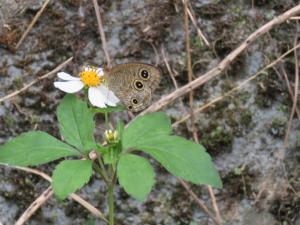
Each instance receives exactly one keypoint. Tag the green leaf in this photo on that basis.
(135, 175)
(193, 223)
(76, 123)
(70, 175)
(182, 158)
(109, 109)
(34, 148)
(143, 127)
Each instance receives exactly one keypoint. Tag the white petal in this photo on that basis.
(89, 68)
(100, 72)
(66, 76)
(86, 68)
(96, 97)
(110, 98)
(69, 86)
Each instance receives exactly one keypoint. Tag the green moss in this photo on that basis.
(283, 108)
(269, 89)
(246, 118)
(239, 119)
(18, 82)
(240, 181)
(9, 120)
(278, 127)
(217, 139)
(197, 42)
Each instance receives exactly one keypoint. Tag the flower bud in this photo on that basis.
(111, 136)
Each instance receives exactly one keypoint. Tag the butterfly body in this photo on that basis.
(133, 83)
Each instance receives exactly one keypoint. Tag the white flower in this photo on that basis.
(92, 78)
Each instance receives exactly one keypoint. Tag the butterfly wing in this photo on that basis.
(133, 83)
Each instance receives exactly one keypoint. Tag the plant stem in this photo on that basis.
(102, 167)
(103, 176)
(106, 120)
(111, 203)
(86, 94)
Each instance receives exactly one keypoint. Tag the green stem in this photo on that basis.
(102, 167)
(111, 203)
(86, 96)
(98, 169)
(106, 120)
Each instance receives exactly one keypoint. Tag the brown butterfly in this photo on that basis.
(133, 83)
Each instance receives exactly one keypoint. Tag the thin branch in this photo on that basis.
(218, 219)
(36, 17)
(199, 32)
(101, 31)
(34, 171)
(295, 99)
(214, 203)
(281, 153)
(189, 68)
(35, 206)
(238, 87)
(157, 60)
(172, 75)
(199, 202)
(223, 64)
(26, 86)
(252, 4)
(88, 206)
(290, 90)
(176, 86)
(76, 197)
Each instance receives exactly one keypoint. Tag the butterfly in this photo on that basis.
(133, 83)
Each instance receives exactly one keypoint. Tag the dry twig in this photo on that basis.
(189, 67)
(36, 17)
(199, 202)
(223, 64)
(199, 32)
(218, 219)
(295, 99)
(26, 86)
(186, 117)
(215, 205)
(76, 197)
(295, 18)
(35, 206)
(101, 31)
(288, 84)
(184, 184)
(172, 75)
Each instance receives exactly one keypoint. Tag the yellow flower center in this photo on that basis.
(90, 78)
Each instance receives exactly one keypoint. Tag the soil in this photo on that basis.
(244, 133)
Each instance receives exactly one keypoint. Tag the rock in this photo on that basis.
(255, 217)
(9, 9)
(297, 222)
